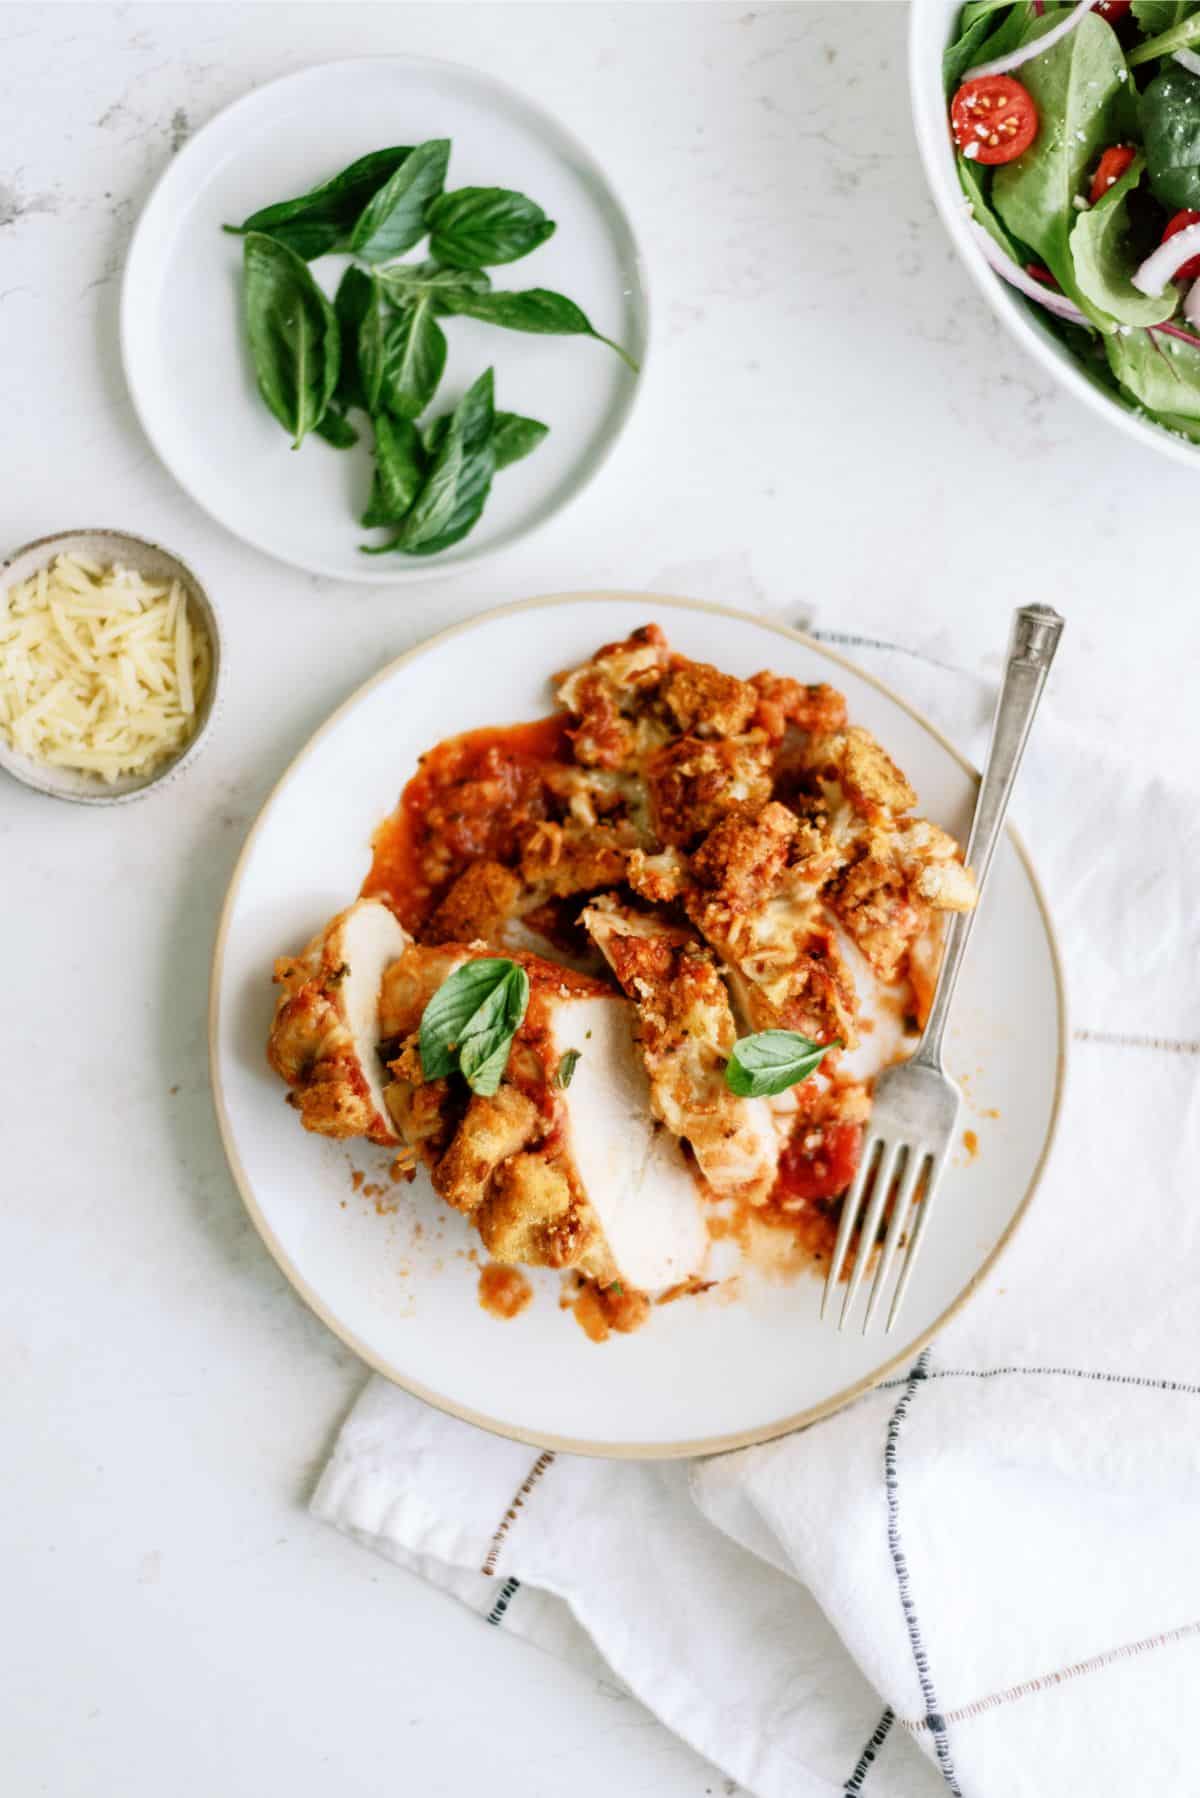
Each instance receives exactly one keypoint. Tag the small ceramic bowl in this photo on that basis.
(106, 548)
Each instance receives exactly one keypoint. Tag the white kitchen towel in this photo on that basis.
(983, 1576)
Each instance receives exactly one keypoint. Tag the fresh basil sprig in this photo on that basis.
(468, 1025)
(460, 477)
(393, 220)
(534, 309)
(771, 1061)
(380, 349)
(336, 428)
(513, 437)
(322, 220)
(351, 303)
(401, 355)
(294, 335)
(474, 227)
(399, 470)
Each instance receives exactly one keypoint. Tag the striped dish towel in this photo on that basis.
(983, 1576)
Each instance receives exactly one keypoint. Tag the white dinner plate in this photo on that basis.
(184, 347)
(704, 1374)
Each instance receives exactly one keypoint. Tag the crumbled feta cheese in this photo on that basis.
(1080, 204)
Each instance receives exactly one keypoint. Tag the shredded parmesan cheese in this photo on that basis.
(100, 669)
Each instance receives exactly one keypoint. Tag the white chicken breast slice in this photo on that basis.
(645, 1198)
(686, 1034)
(325, 1037)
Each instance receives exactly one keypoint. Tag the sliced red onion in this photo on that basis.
(1167, 260)
(1026, 284)
(1189, 60)
(1174, 331)
(1003, 65)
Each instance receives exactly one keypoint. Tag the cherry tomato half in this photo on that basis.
(1111, 166)
(823, 1169)
(993, 119)
(1112, 10)
(1191, 269)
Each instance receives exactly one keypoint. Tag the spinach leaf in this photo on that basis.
(399, 470)
(336, 428)
(294, 336)
(1161, 372)
(535, 309)
(469, 1024)
(351, 303)
(515, 437)
(1156, 16)
(322, 220)
(1104, 266)
(981, 38)
(1171, 125)
(1182, 427)
(771, 1061)
(401, 355)
(475, 226)
(394, 220)
(1177, 36)
(450, 503)
(1077, 87)
(975, 184)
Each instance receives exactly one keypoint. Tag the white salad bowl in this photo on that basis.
(931, 28)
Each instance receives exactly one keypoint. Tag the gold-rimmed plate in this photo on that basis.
(388, 1269)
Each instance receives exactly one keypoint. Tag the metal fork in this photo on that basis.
(916, 1105)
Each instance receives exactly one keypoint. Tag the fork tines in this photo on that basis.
(888, 1168)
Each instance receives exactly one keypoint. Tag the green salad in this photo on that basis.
(1077, 130)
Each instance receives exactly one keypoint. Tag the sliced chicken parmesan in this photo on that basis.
(678, 858)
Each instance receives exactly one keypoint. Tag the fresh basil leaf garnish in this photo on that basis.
(771, 1061)
(394, 218)
(351, 303)
(401, 354)
(416, 280)
(515, 437)
(294, 335)
(469, 1024)
(320, 221)
(336, 428)
(565, 1071)
(399, 470)
(465, 463)
(534, 309)
(459, 479)
(474, 227)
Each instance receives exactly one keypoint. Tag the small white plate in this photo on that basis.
(704, 1374)
(183, 342)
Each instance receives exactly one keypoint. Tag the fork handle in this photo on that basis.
(1035, 635)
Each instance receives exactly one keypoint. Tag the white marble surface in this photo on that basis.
(833, 425)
